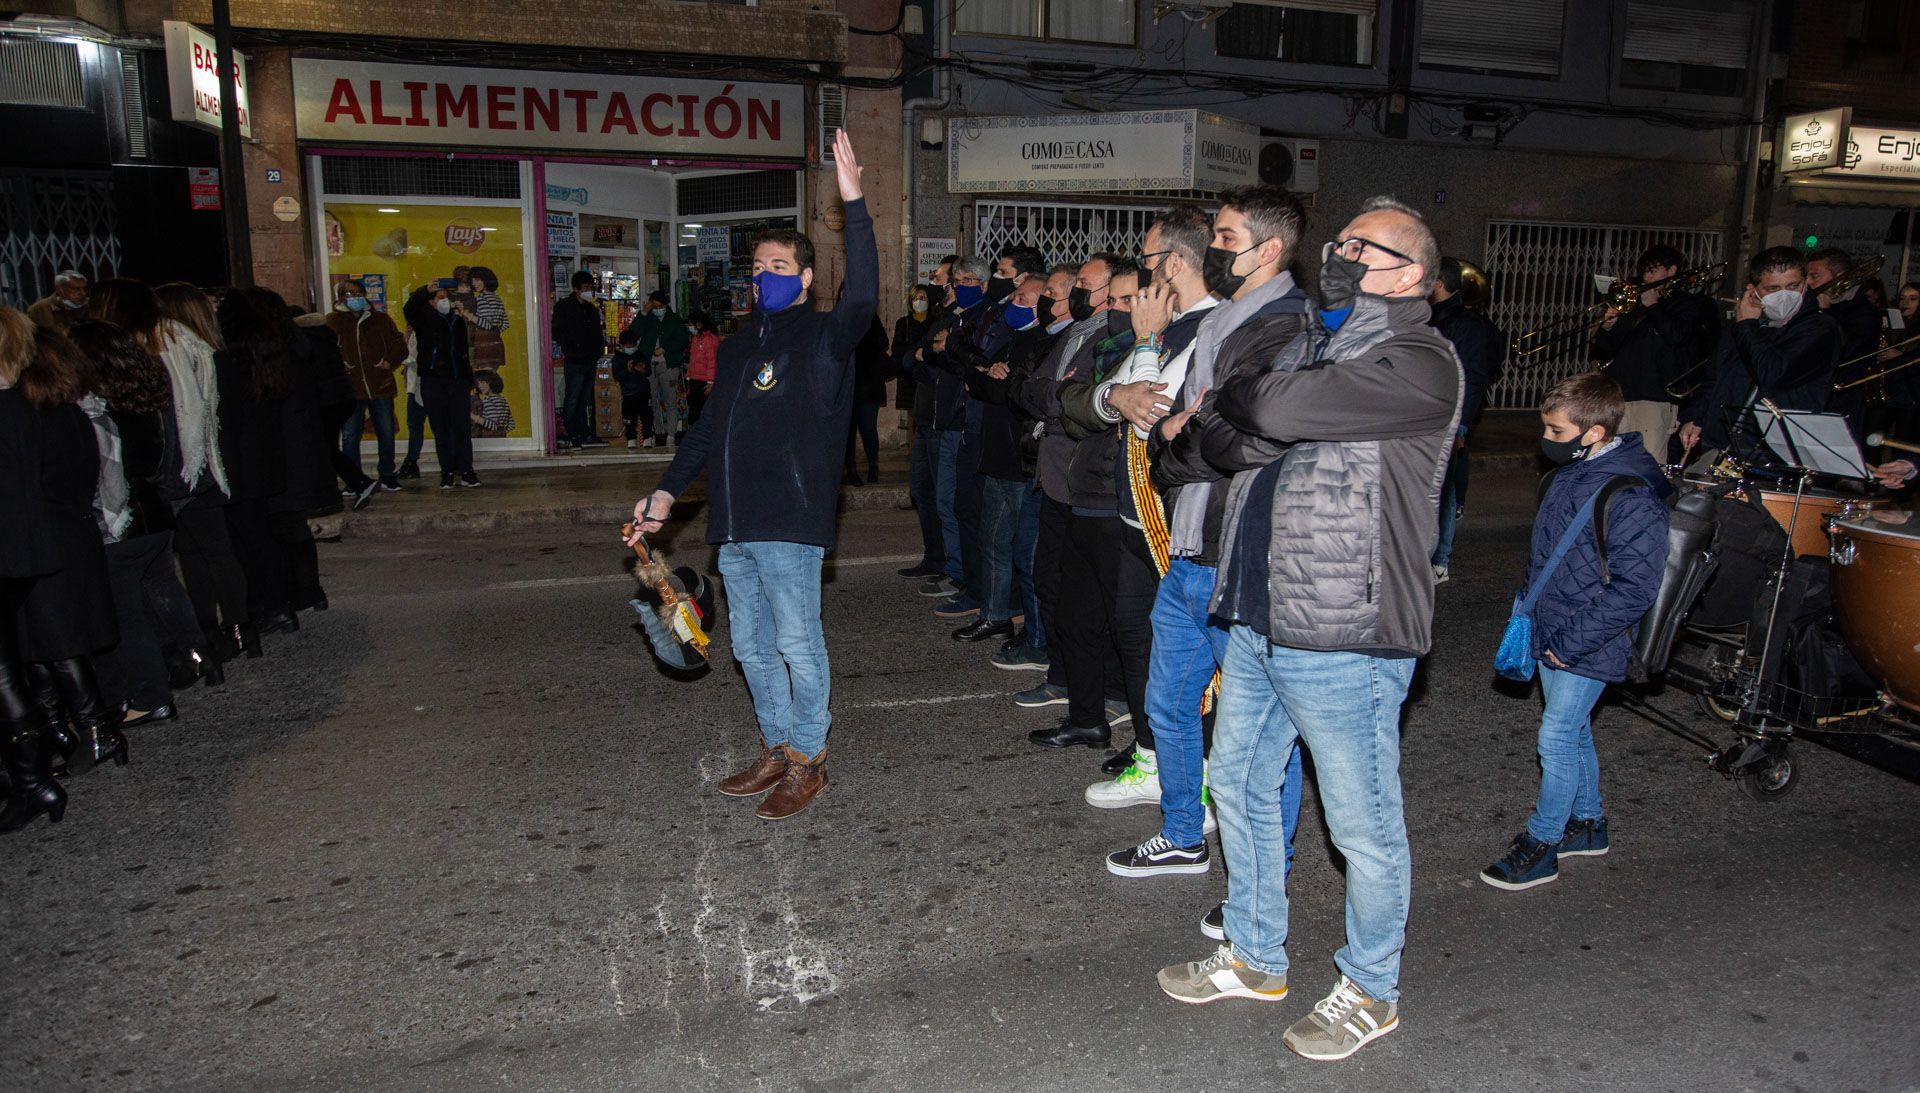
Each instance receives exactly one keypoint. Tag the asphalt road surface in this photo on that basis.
(458, 834)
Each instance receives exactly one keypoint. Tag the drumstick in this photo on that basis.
(1882, 440)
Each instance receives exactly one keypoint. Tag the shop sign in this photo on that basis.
(928, 251)
(509, 108)
(193, 78)
(715, 243)
(203, 188)
(1880, 155)
(1139, 150)
(573, 195)
(1813, 142)
(563, 234)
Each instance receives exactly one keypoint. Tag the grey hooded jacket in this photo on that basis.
(1367, 415)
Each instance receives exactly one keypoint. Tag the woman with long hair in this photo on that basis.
(68, 616)
(130, 402)
(27, 554)
(256, 376)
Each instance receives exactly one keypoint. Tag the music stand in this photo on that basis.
(1815, 442)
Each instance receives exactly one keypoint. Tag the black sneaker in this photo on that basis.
(470, 480)
(390, 484)
(409, 469)
(1528, 862)
(921, 569)
(1214, 923)
(363, 496)
(446, 481)
(593, 442)
(1157, 856)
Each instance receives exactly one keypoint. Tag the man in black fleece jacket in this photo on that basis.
(771, 437)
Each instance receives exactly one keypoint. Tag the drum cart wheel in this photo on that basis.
(1772, 776)
(1714, 707)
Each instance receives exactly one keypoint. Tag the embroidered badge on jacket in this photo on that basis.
(763, 380)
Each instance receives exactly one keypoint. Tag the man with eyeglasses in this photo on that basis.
(1325, 583)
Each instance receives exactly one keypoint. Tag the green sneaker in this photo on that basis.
(1219, 976)
(1341, 1023)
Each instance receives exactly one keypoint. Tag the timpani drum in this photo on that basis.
(1876, 589)
(1818, 511)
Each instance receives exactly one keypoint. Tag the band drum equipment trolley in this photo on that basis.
(1876, 591)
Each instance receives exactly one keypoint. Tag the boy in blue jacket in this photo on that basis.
(1586, 618)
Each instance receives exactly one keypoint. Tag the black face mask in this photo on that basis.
(1562, 452)
(1080, 304)
(999, 288)
(1119, 322)
(1217, 271)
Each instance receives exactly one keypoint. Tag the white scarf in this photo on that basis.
(196, 403)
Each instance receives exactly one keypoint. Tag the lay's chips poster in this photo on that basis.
(412, 245)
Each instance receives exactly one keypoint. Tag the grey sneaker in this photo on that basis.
(1341, 1023)
(1046, 694)
(1117, 713)
(1221, 975)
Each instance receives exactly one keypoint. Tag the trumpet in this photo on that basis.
(1857, 274)
(1623, 297)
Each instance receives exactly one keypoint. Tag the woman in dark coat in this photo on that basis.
(26, 554)
(255, 378)
(68, 616)
(871, 370)
(310, 419)
(444, 363)
(136, 516)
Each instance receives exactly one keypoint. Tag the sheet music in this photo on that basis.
(1817, 442)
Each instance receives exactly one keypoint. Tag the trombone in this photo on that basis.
(1856, 275)
(1623, 297)
(1884, 372)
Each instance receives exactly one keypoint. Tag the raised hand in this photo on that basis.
(846, 167)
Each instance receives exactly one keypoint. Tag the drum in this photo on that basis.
(1876, 589)
(1819, 511)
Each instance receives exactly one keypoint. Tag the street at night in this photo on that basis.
(458, 833)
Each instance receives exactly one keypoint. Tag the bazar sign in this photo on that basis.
(503, 107)
(1138, 150)
(193, 78)
(1812, 142)
(1880, 154)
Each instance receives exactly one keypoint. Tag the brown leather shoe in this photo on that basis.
(759, 777)
(801, 783)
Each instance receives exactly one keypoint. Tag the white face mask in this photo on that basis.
(586, 295)
(443, 306)
(919, 307)
(1780, 305)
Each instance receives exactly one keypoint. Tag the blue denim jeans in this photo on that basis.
(1000, 503)
(773, 612)
(923, 487)
(1569, 767)
(576, 409)
(1453, 494)
(382, 411)
(946, 484)
(966, 512)
(1345, 707)
(1187, 646)
(1026, 542)
(416, 427)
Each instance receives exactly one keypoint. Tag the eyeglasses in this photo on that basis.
(1353, 247)
(1153, 254)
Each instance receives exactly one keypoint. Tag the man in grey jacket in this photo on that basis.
(1325, 582)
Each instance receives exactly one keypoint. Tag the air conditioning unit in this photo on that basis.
(832, 112)
(1290, 162)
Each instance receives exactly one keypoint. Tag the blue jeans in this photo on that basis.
(946, 484)
(966, 512)
(773, 612)
(416, 427)
(382, 411)
(576, 408)
(1187, 647)
(1569, 767)
(1453, 494)
(1000, 504)
(1345, 707)
(1025, 542)
(923, 487)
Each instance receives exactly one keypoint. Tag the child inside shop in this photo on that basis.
(630, 370)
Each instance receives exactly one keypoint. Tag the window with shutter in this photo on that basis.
(1511, 36)
(1687, 45)
(1330, 32)
(1109, 21)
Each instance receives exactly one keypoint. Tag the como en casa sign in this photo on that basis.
(365, 102)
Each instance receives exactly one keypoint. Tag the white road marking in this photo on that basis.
(897, 703)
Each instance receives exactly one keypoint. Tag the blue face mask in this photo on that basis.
(778, 291)
(356, 303)
(1019, 318)
(967, 295)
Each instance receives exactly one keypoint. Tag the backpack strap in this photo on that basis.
(1614, 485)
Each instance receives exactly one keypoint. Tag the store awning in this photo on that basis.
(1822, 190)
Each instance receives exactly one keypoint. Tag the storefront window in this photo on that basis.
(716, 267)
(395, 249)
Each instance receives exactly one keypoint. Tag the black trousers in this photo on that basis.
(1107, 586)
(696, 398)
(134, 671)
(866, 426)
(250, 523)
(301, 557)
(345, 467)
(209, 566)
(636, 409)
(966, 510)
(449, 411)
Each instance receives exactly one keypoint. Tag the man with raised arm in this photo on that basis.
(771, 439)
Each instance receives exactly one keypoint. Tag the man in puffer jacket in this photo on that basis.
(1587, 615)
(1325, 583)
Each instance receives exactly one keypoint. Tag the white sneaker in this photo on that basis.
(1439, 574)
(1137, 785)
(632, 444)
